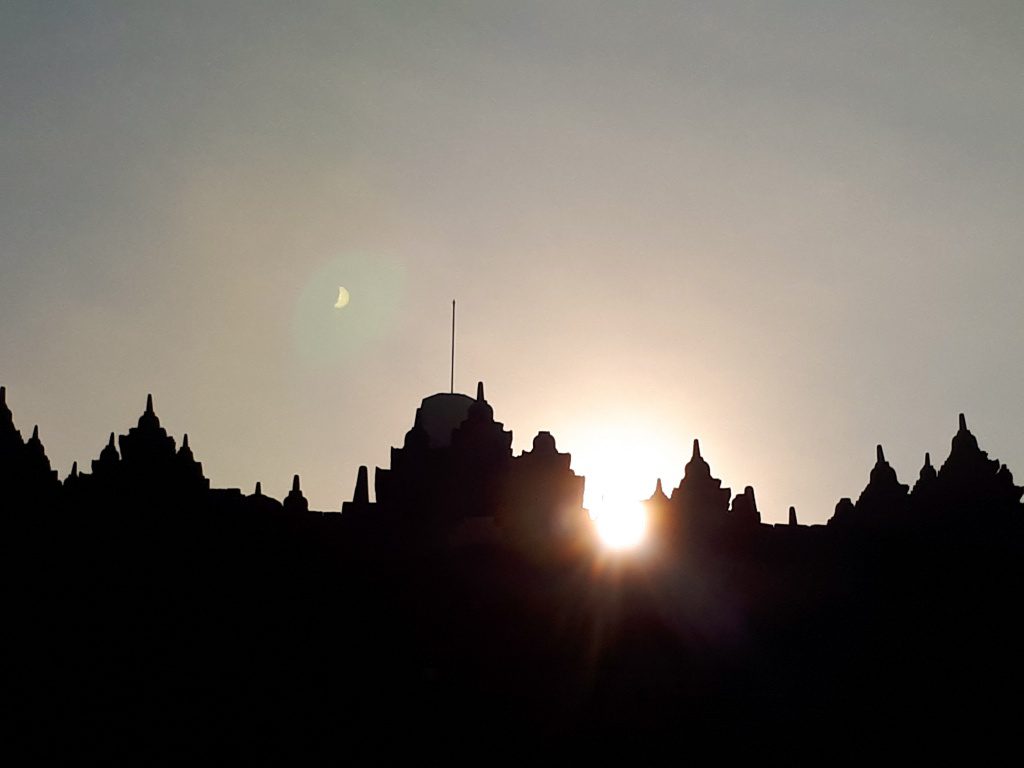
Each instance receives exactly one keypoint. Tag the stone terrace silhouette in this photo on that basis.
(153, 612)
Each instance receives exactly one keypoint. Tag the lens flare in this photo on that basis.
(621, 524)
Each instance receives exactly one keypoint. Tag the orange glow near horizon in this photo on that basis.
(620, 523)
(621, 464)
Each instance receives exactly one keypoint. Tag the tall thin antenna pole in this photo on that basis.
(452, 388)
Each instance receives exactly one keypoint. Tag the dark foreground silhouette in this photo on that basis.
(469, 611)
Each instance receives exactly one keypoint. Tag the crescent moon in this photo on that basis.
(342, 297)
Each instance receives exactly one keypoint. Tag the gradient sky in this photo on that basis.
(791, 229)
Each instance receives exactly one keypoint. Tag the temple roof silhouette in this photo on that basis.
(458, 459)
(440, 415)
(479, 567)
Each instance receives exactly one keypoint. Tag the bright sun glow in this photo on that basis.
(621, 524)
(621, 460)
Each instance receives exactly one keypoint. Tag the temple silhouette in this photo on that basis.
(471, 596)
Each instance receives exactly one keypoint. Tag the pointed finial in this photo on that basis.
(149, 403)
(658, 491)
(110, 443)
(480, 391)
(184, 441)
(3, 395)
(880, 455)
(696, 448)
(259, 488)
(35, 432)
(295, 484)
(74, 469)
(792, 515)
(927, 459)
(963, 423)
(362, 493)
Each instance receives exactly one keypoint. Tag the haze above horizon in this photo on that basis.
(789, 230)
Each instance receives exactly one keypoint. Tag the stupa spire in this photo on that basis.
(963, 423)
(362, 493)
(149, 403)
(880, 455)
(696, 449)
(295, 501)
(480, 391)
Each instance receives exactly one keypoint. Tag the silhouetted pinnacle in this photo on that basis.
(544, 442)
(879, 455)
(295, 501)
(34, 444)
(658, 490)
(480, 391)
(744, 508)
(792, 516)
(360, 504)
(844, 513)
(923, 492)
(74, 469)
(148, 420)
(3, 395)
(362, 492)
(964, 442)
(184, 441)
(107, 459)
(259, 489)
(696, 449)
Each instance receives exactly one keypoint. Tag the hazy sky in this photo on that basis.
(791, 229)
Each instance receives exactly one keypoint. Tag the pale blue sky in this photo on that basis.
(792, 230)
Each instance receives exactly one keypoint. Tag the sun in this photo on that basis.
(620, 523)
(621, 459)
